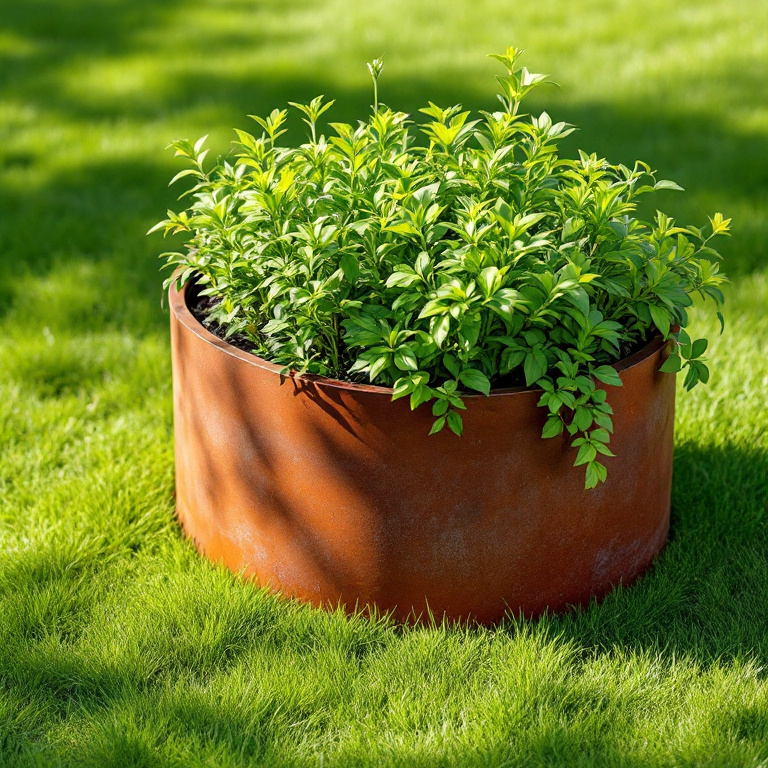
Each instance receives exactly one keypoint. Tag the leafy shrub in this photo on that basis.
(476, 258)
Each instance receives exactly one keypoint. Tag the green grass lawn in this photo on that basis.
(118, 644)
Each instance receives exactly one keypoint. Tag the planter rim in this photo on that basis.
(177, 300)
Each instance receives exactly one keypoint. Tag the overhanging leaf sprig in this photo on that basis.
(448, 264)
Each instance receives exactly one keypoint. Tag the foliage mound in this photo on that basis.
(475, 259)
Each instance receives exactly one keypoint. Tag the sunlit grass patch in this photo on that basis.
(119, 645)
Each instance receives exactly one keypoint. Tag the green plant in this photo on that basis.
(478, 257)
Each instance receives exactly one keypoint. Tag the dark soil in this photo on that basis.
(200, 307)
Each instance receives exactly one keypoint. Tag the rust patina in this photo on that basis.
(331, 493)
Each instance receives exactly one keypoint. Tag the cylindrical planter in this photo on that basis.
(332, 493)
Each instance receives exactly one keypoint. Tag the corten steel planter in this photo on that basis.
(329, 492)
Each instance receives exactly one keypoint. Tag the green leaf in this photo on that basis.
(603, 420)
(701, 370)
(534, 336)
(350, 266)
(699, 348)
(455, 422)
(422, 263)
(185, 172)
(402, 279)
(660, 318)
(441, 328)
(596, 473)
(580, 299)
(586, 454)
(434, 307)
(571, 226)
(379, 364)
(403, 387)
(672, 364)
(199, 143)
(510, 359)
(438, 425)
(667, 184)
(604, 449)
(582, 418)
(691, 378)
(608, 375)
(554, 402)
(488, 280)
(469, 331)
(402, 228)
(475, 379)
(523, 223)
(601, 435)
(721, 320)
(685, 342)
(534, 367)
(553, 427)
(421, 394)
(451, 364)
(405, 360)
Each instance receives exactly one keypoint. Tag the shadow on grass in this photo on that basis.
(705, 596)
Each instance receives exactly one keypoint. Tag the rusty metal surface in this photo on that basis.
(330, 492)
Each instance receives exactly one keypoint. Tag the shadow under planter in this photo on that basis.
(329, 492)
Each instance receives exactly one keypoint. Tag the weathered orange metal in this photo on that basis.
(331, 493)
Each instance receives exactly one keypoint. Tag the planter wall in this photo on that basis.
(330, 492)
